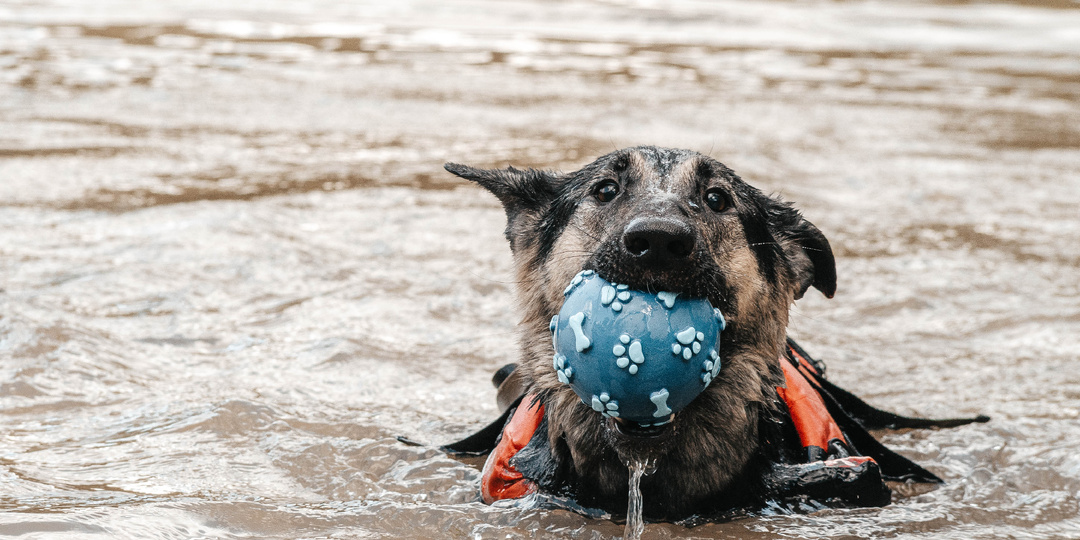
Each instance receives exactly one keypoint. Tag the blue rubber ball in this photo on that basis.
(634, 355)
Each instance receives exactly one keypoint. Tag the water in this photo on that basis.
(233, 270)
(635, 525)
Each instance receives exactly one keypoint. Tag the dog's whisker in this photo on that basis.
(588, 234)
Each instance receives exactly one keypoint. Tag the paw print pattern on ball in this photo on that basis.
(604, 405)
(626, 352)
(711, 367)
(667, 298)
(614, 296)
(562, 370)
(577, 280)
(687, 343)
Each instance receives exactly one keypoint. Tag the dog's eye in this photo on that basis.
(606, 191)
(716, 200)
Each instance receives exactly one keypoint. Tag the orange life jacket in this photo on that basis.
(818, 432)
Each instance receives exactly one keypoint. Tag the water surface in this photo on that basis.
(233, 271)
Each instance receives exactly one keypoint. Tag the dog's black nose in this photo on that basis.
(658, 239)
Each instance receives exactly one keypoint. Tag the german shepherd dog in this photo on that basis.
(660, 219)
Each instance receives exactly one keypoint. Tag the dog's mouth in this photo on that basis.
(640, 432)
(693, 279)
(684, 281)
(633, 441)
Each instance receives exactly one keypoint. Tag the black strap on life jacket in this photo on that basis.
(855, 417)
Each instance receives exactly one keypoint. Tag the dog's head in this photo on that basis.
(659, 219)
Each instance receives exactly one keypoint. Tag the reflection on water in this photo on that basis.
(232, 270)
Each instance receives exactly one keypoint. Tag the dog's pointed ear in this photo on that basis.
(807, 250)
(516, 189)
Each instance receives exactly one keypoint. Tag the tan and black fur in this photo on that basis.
(753, 258)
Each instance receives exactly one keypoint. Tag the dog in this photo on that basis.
(660, 219)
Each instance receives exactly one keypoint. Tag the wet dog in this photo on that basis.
(658, 219)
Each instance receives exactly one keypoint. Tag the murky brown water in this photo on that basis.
(233, 271)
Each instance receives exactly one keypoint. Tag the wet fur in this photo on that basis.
(752, 261)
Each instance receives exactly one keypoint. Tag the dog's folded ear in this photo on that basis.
(816, 247)
(806, 248)
(516, 189)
